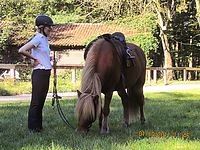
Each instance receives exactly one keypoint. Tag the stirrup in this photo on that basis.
(129, 57)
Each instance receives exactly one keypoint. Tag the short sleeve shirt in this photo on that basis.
(41, 51)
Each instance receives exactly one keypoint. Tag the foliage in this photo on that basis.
(90, 39)
(181, 24)
(9, 87)
(180, 18)
(25, 11)
(147, 39)
(20, 16)
(24, 74)
(109, 10)
(4, 92)
(184, 32)
(64, 17)
(23, 85)
(168, 112)
(4, 35)
(148, 43)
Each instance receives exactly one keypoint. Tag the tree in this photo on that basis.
(198, 10)
(165, 11)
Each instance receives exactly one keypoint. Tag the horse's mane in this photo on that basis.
(90, 85)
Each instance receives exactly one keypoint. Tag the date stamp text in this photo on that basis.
(163, 134)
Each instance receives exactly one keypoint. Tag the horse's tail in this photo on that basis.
(136, 102)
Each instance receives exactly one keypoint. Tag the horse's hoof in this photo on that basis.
(142, 123)
(104, 132)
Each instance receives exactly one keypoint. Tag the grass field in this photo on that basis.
(10, 87)
(173, 122)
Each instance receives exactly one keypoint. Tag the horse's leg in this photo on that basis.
(124, 98)
(100, 120)
(142, 117)
(105, 113)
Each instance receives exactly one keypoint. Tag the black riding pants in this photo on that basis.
(40, 87)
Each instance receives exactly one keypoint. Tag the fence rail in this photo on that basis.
(155, 69)
(73, 67)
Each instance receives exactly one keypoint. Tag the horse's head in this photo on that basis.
(86, 110)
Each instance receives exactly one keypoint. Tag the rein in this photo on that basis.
(56, 98)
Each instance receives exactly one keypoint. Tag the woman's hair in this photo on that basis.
(39, 29)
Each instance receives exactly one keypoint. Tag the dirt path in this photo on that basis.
(166, 88)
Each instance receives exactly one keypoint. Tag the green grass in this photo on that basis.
(64, 84)
(167, 112)
(10, 87)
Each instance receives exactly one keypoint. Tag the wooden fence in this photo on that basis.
(155, 69)
(13, 67)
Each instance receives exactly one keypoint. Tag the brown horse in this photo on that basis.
(104, 73)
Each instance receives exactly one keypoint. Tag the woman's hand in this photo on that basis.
(37, 62)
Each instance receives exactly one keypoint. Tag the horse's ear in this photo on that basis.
(79, 93)
(95, 99)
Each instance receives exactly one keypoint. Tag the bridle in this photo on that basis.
(56, 97)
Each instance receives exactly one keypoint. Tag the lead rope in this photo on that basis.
(56, 97)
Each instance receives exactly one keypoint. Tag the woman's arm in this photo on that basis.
(24, 50)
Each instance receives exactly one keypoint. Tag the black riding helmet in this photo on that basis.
(43, 20)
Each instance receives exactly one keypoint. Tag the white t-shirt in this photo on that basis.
(41, 51)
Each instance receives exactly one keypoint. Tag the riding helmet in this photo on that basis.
(44, 20)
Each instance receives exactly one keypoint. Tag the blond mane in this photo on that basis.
(90, 85)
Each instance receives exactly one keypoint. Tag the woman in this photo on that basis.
(39, 47)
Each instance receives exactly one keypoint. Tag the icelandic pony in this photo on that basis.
(104, 73)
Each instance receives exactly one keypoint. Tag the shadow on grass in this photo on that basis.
(167, 112)
(4, 92)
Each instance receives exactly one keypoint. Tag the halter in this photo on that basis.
(56, 97)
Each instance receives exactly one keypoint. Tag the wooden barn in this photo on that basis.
(67, 39)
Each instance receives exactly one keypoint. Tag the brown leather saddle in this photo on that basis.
(118, 41)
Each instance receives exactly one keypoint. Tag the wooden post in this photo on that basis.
(149, 76)
(165, 76)
(196, 74)
(155, 75)
(184, 75)
(73, 75)
(12, 73)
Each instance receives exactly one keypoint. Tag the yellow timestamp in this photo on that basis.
(163, 134)
(180, 135)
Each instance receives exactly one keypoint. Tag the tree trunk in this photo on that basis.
(165, 44)
(191, 61)
(167, 55)
(198, 10)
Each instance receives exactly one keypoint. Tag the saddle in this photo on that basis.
(117, 39)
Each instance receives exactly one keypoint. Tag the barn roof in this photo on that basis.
(68, 35)
(76, 34)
